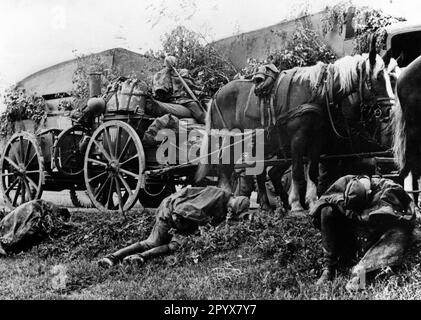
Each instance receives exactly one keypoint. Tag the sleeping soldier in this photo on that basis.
(183, 211)
(168, 87)
(365, 219)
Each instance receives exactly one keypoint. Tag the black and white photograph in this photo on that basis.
(210, 150)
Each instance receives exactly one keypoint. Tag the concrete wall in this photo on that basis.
(58, 78)
(260, 43)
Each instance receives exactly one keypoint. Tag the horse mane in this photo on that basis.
(312, 75)
(399, 136)
(345, 70)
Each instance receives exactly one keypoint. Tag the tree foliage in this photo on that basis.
(304, 48)
(368, 21)
(372, 21)
(205, 63)
(334, 19)
(21, 106)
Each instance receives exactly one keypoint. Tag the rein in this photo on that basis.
(375, 107)
(330, 103)
(218, 110)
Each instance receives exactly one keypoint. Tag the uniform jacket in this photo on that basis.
(194, 206)
(167, 86)
(388, 203)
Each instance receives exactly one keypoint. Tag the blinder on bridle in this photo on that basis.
(378, 107)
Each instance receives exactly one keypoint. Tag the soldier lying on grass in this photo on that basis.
(183, 211)
(371, 219)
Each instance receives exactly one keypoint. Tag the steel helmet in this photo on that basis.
(170, 61)
(355, 195)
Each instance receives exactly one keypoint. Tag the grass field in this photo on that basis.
(269, 257)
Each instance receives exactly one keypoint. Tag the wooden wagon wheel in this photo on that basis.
(21, 170)
(113, 168)
(68, 151)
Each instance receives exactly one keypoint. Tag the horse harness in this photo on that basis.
(325, 76)
(365, 109)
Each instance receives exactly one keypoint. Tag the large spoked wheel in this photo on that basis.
(22, 170)
(114, 164)
(69, 150)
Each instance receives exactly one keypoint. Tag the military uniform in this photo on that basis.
(168, 88)
(183, 211)
(376, 235)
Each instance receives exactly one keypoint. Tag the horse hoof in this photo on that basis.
(311, 204)
(267, 210)
(297, 213)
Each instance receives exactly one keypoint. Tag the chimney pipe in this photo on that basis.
(94, 84)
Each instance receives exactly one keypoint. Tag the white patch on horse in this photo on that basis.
(311, 191)
(393, 68)
(388, 86)
(294, 197)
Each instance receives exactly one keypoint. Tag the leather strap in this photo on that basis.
(219, 113)
(131, 94)
(248, 101)
(330, 103)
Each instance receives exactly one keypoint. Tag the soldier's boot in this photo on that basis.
(328, 275)
(329, 264)
(111, 260)
(329, 269)
(2, 252)
(354, 284)
(134, 260)
(330, 244)
(108, 261)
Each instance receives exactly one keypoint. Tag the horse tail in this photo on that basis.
(203, 166)
(399, 137)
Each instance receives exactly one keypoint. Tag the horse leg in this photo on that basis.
(262, 193)
(415, 187)
(403, 174)
(225, 173)
(298, 179)
(312, 173)
(275, 174)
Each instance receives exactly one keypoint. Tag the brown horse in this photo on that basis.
(407, 120)
(301, 121)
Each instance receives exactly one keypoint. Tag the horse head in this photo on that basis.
(375, 85)
(376, 88)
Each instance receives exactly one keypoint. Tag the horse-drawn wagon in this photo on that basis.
(110, 160)
(107, 157)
